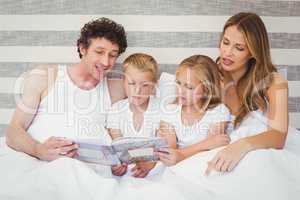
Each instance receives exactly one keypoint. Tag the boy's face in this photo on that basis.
(99, 57)
(138, 85)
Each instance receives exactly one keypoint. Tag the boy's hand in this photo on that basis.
(141, 169)
(119, 170)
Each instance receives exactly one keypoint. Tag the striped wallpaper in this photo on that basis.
(34, 32)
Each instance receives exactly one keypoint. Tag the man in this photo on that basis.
(59, 102)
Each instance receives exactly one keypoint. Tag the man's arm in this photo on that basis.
(35, 86)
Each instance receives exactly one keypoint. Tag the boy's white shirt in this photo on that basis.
(121, 117)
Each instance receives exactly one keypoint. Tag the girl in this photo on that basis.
(251, 84)
(197, 120)
(138, 115)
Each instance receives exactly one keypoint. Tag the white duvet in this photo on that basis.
(264, 174)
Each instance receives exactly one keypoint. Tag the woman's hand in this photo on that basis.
(228, 158)
(141, 169)
(170, 156)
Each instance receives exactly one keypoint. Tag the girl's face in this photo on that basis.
(138, 86)
(234, 53)
(189, 89)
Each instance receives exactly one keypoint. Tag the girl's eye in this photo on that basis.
(189, 87)
(177, 82)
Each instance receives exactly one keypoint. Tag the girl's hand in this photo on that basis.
(119, 170)
(218, 140)
(228, 158)
(141, 169)
(170, 156)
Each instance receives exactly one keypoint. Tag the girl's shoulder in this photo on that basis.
(219, 108)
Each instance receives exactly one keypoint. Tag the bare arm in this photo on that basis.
(35, 85)
(274, 137)
(277, 114)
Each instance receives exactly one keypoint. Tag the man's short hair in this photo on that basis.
(102, 28)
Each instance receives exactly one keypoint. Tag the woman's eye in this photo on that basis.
(240, 48)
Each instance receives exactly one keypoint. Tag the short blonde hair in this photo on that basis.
(142, 62)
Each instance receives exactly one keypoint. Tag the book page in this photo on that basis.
(134, 149)
(93, 152)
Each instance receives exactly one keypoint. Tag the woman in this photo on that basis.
(250, 84)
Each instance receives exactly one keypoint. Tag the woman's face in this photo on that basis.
(234, 53)
(189, 90)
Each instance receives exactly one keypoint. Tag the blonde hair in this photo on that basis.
(253, 85)
(142, 62)
(205, 70)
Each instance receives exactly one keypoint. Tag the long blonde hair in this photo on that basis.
(253, 85)
(206, 72)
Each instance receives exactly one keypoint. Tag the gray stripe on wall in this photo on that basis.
(8, 101)
(2, 129)
(138, 39)
(12, 69)
(146, 7)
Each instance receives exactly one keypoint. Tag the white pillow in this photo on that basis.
(166, 88)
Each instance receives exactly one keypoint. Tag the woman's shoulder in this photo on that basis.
(278, 82)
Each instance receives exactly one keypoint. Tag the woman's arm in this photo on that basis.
(277, 114)
(274, 137)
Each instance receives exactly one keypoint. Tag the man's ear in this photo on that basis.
(82, 49)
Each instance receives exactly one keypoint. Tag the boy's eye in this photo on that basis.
(177, 82)
(100, 52)
(131, 83)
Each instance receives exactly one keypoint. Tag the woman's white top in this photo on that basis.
(191, 134)
(121, 117)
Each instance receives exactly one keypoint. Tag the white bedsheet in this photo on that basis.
(264, 174)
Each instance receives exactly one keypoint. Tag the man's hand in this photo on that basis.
(55, 147)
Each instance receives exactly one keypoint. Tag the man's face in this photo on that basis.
(99, 57)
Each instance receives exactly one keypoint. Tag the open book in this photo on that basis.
(123, 149)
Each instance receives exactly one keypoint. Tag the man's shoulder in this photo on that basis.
(40, 77)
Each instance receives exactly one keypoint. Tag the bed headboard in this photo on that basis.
(34, 32)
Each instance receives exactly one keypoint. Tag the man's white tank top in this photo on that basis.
(71, 112)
